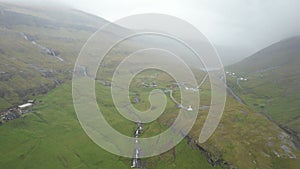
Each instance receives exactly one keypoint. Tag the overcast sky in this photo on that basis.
(247, 25)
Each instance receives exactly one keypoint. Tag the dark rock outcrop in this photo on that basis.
(215, 159)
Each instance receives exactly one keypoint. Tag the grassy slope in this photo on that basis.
(273, 84)
(28, 70)
(244, 138)
(247, 139)
(51, 137)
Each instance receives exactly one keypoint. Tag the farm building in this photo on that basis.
(25, 107)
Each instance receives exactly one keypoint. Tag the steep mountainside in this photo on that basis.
(38, 48)
(280, 54)
(273, 83)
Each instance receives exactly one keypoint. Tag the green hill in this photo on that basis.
(38, 48)
(273, 83)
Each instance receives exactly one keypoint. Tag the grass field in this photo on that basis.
(273, 83)
(51, 137)
(275, 101)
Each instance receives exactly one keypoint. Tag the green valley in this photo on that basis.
(259, 129)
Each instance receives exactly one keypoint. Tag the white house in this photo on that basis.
(27, 105)
(189, 108)
(24, 107)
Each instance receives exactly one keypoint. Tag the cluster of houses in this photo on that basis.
(189, 108)
(151, 85)
(232, 74)
(192, 89)
(16, 112)
(183, 84)
(242, 79)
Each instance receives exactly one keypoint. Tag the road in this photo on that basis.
(174, 100)
(204, 79)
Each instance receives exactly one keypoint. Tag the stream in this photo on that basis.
(45, 49)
